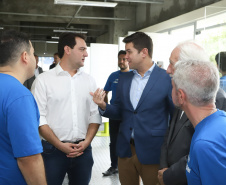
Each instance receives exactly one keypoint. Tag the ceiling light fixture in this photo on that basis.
(52, 42)
(70, 31)
(85, 3)
(55, 37)
(1, 28)
(141, 1)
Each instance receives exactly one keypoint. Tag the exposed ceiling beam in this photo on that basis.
(70, 31)
(141, 1)
(76, 13)
(65, 16)
(85, 3)
(49, 27)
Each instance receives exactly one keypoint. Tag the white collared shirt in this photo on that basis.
(65, 104)
(36, 72)
(138, 84)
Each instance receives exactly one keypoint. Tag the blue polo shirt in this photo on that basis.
(207, 157)
(19, 122)
(223, 83)
(112, 83)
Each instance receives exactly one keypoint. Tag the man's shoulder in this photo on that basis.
(161, 71)
(115, 73)
(48, 73)
(221, 93)
(20, 89)
(220, 99)
(86, 75)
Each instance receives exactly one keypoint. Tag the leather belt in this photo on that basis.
(76, 142)
(132, 142)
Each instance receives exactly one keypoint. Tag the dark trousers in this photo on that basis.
(57, 164)
(113, 129)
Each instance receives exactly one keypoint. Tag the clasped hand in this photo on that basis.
(74, 150)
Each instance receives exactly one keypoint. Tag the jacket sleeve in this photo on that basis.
(176, 174)
(221, 99)
(163, 156)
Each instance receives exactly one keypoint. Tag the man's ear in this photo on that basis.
(67, 49)
(181, 96)
(24, 58)
(144, 52)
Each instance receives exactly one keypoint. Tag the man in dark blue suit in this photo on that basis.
(144, 104)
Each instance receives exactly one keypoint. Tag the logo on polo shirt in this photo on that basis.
(116, 81)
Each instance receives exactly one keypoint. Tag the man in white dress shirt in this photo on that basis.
(69, 119)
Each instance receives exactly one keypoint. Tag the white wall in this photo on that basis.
(103, 61)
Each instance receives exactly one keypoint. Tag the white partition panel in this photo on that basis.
(103, 61)
(121, 44)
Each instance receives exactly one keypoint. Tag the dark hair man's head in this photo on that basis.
(36, 58)
(68, 39)
(140, 41)
(221, 61)
(56, 58)
(123, 63)
(12, 45)
(121, 52)
(56, 54)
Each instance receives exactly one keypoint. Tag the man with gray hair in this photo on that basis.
(195, 85)
(176, 146)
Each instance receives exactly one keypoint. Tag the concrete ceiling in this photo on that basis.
(40, 18)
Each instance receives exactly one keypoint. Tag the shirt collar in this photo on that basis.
(148, 72)
(59, 70)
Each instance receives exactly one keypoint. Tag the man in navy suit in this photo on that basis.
(144, 104)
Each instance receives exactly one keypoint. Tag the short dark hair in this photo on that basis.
(12, 44)
(221, 60)
(56, 54)
(68, 39)
(121, 52)
(140, 41)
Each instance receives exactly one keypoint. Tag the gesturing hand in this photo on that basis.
(98, 98)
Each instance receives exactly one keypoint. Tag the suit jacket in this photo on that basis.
(28, 83)
(149, 120)
(176, 146)
(52, 66)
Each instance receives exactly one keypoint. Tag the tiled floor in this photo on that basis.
(101, 157)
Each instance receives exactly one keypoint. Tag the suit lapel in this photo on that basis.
(127, 86)
(172, 124)
(179, 125)
(154, 77)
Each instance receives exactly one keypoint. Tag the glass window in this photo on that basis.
(183, 34)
